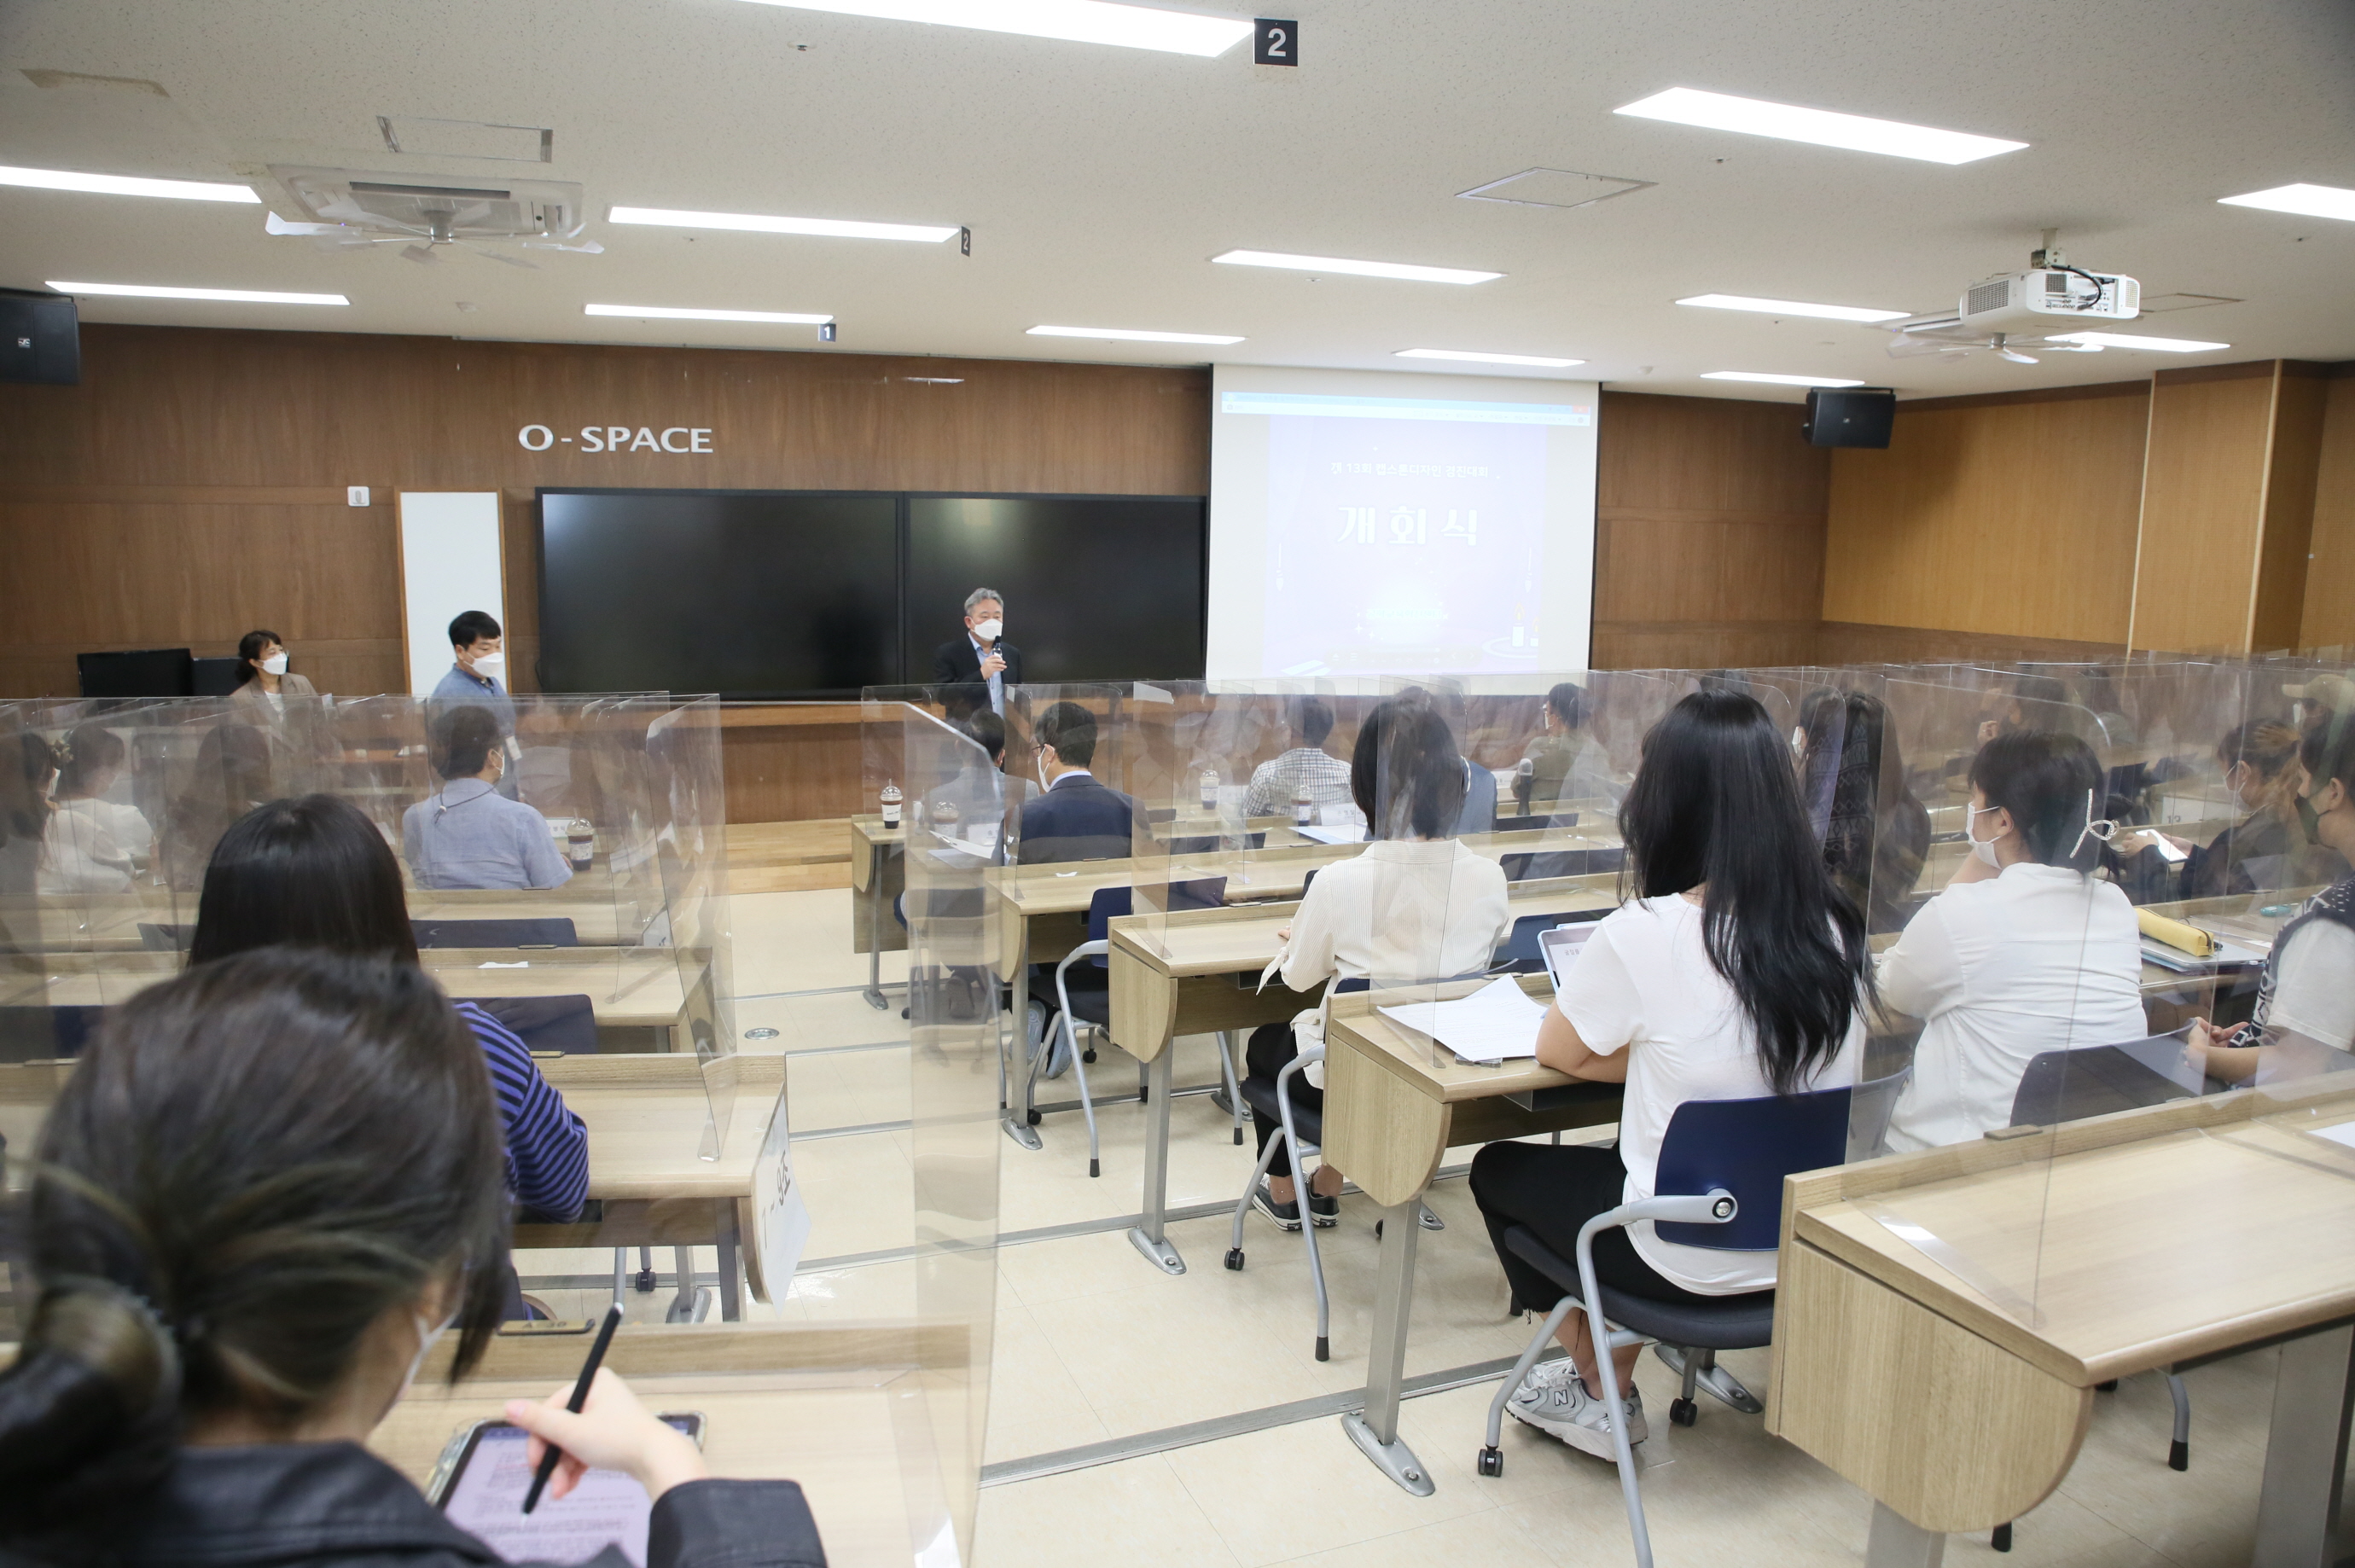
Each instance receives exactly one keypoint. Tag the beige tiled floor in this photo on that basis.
(1092, 1343)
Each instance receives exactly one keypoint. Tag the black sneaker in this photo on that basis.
(1325, 1212)
(1284, 1216)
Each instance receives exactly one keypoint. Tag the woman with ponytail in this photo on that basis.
(1739, 970)
(268, 1188)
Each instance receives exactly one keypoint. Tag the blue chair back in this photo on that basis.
(1747, 1147)
(47, 1034)
(1109, 904)
(161, 936)
(567, 1024)
(1519, 953)
(550, 931)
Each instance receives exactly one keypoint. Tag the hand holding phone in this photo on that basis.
(611, 1431)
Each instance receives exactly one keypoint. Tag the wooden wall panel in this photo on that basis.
(2012, 517)
(2278, 604)
(2202, 508)
(1848, 643)
(192, 486)
(2329, 617)
(1709, 533)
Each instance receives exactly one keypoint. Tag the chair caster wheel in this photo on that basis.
(1031, 1117)
(1683, 1412)
(1235, 1259)
(2110, 1387)
(2001, 1539)
(1088, 1056)
(1378, 1229)
(2178, 1455)
(644, 1281)
(1324, 1348)
(1492, 1461)
(1094, 1169)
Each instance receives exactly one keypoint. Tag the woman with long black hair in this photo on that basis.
(1738, 970)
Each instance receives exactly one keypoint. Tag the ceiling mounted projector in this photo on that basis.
(2043, 308)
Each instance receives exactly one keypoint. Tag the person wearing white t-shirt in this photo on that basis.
(2305, 1019)
(2023, 953)
(1740, 971)
(91, 845)
(1417, 905)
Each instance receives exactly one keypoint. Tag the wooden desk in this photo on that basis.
(628, 988)
(649, 1120)
(1195, 972)
(821, 1406)
(1951, 1375)
(1392, 1113)
(874, 889)
(110, 922)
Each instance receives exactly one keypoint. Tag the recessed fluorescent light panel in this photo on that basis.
(681, 312)
(2128, 340)
(1127, 335)
(2306, 200)
(1355, 269)
(1775, 381)
(126, 184)
(1075, 21)
(1794, 307)
(1467, 354)
(230, 296)
(827, 228)
(1790, 123)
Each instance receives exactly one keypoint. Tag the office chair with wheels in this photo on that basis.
(1301, 1130)
(1719, 1185)
(1090, 1003)
(1519, 954)
(565, 1024)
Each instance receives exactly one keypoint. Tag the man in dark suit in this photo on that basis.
(982, 661)
(1078, 818)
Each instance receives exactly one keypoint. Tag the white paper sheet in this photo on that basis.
(2344, 1133)
(1495, 1023)
(1347, 833)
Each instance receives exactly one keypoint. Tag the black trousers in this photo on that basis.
(1554, 1190)
(1270, 1047)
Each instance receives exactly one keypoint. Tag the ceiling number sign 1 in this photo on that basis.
(1275, 42)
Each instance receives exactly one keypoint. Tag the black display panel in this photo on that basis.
(1103, 588)
(747, 594)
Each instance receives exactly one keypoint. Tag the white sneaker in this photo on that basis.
(1554, 1400)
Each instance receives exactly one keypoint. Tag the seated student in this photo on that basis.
(2306, 1004)
(1076, 818)
(2268, 849)
(469, 835)
(271, 1185)
(1566, 761)
(315, 872)
(1415, 906)
(1307, 769)
(90, 845)
(1875, 834)
(1738, 972)
(2023, 952)
(234, 772)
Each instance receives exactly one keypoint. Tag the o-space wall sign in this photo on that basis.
(677, 438)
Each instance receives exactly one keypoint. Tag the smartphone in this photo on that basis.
(483, 1475)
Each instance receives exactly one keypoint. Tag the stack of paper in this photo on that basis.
(1494, 1023)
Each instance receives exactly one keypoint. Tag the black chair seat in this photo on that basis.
(1742, 1322)
(1258, 1093)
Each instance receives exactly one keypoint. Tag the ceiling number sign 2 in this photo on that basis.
(1275, 42)
(677, 438)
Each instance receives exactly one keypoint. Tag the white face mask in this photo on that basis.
(988, 631)
(490, 664)
(1982, 848)
(427, 1337)
(276, 664)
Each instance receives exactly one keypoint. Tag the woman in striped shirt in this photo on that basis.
(315, 872)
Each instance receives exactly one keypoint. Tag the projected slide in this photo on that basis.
(1447, 531)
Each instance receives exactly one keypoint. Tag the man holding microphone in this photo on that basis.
(982, 657)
